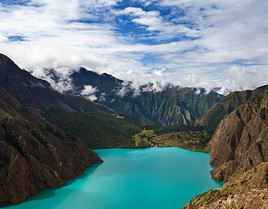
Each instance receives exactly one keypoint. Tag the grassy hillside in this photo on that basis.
(192, 140)
(96, 129)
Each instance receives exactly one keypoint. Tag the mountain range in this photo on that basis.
(34, 153)
(149, 104)
(47, 136)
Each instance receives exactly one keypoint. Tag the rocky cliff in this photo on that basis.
(247, 191)
(241, 139)
(239, 150)
(211, 119)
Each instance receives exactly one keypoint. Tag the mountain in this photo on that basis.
(34, 154)
(247, 191)
(104, 82)
(241, 140)
(41, 132)
(211, 119)
(95, 124)
(169, 105)
(239, 152)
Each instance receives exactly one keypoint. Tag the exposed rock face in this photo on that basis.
(241, 140)
(34, 154)
(239, 150)
(171, 106)
(247, 191)
(211, 119)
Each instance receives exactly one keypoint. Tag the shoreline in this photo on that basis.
(96, 164)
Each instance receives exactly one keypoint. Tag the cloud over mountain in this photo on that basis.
(192, 43)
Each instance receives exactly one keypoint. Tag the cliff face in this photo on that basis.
(239, 150)
(34, 154)
(241, 139)
(211, 119)
(171, 106)
(248, 191)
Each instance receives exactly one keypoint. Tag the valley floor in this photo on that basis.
(191, 140)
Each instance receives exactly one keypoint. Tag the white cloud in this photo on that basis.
(153, 21)
(230, 32)
(246, 78)
(89, 93)
(124, 89)
(3, 38)
(62, 83)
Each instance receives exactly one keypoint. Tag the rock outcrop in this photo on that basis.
(211, 119)
(241, 139)
(239, 150)
(247, 191)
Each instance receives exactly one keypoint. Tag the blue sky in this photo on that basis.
(207, 43)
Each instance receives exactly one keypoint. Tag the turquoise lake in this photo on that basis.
(155, 178)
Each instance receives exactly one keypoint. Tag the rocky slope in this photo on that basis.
(34, 154)
(169, 107)
(247, 191)
(211, 119)
(239, 151)
(241, 139)
(150, 104)
(95, 124)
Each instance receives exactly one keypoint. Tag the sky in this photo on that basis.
(200, 43)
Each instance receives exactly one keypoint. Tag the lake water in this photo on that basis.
(155, 178)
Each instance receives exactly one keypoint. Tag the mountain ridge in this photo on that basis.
(241, 140)
(35, 151)
(172, 105)
(215, 114)
(34, 154)
(64, 110)
(239, 153)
